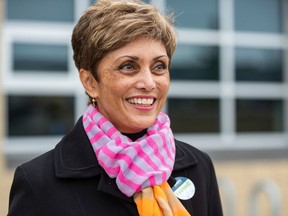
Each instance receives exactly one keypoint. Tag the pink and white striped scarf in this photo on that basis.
(136, 165)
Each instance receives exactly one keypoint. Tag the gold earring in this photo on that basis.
(93, 102)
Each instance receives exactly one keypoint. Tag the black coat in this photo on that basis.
(68, 181)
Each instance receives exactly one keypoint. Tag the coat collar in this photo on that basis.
(74, 158)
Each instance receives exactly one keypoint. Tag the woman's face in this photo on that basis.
(133, 84)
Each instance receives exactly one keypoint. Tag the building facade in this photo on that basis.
(228, 96)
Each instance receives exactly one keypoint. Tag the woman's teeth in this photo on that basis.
(141, 101)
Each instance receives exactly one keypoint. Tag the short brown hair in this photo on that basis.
(111, 24)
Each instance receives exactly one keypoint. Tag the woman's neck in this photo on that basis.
(135, 136)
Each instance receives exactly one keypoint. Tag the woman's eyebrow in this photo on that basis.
(158, 57)
(135, 58)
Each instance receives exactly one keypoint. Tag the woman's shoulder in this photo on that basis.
(40, 164)
(183, 146)
(188, 155)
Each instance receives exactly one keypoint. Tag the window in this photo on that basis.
(258, 15)
(259, 65)
(40, 10)
(195, 14)
(259, 115)
(194, 115)
(40, 115)
(40, 57)
(192, 62)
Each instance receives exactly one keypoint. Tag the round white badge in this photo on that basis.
(184, 188)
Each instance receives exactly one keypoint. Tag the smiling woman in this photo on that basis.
(121, 157)
(128, 79)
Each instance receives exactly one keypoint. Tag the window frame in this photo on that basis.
(45, 83)
(226, 89)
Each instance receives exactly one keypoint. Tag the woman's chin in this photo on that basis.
(137, 126)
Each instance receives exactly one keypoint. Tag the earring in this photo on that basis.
(93, 102)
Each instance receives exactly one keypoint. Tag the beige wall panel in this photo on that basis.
(245, 175)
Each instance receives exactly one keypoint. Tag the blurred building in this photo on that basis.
(228, 96)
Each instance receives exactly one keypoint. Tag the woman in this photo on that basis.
(121, 157)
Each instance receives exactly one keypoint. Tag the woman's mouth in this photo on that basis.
(141, 101)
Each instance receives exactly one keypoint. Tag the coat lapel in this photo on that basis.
(184, 156)
(74, 156)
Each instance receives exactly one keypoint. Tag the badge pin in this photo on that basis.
(184, 188)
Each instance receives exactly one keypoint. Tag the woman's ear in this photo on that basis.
(89, 83)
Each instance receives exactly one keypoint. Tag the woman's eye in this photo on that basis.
(160, 68)
(127, 67)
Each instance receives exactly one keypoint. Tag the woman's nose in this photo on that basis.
(146, 80)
